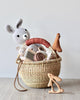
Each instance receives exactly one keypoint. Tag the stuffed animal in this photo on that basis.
(20, 35)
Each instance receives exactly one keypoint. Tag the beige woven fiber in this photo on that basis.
(34, 74)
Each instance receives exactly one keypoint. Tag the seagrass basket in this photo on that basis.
(34, 74)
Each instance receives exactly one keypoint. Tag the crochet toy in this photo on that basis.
(20, 35)
(56, 45)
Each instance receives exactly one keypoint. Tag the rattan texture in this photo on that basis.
(34, 74)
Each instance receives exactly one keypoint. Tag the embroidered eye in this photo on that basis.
(25, 36)
(25, 29)
(18, 36)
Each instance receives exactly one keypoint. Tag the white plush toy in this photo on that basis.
(20, 35)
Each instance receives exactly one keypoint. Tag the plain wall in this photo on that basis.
(42, 18)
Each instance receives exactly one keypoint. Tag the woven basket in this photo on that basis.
(34, 74)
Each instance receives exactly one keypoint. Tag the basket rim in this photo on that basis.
(40, 62)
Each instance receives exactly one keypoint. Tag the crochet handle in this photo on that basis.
(38, 40)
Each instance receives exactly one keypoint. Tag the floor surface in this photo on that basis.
(8, 92)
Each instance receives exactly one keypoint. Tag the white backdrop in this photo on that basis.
(43, 18)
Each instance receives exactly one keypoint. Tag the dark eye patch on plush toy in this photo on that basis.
(25, 35)
(18, 35)
(26, 30)
(41, 48)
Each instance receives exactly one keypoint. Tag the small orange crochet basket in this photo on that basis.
(35, 74)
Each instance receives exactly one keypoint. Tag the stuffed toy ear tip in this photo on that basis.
(9, 29)
(19, 23)
(20, 20)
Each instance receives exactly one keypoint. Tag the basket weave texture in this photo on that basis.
(34, 74)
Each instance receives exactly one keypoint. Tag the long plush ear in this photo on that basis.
(9, 29)
(19, 23)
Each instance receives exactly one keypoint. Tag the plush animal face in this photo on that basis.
(20, 35)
